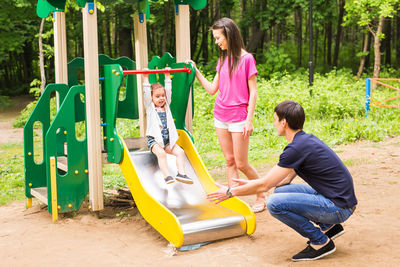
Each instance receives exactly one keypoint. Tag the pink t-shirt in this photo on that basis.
(233, 96)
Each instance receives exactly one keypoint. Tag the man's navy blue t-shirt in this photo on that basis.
(320, 167)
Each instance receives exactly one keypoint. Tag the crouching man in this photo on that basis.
(314, 210)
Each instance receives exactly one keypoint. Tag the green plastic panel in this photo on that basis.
(72, 186)
(82, 3)
(44, 7)
(160, 63)
(35, 173)
(127, 107)
(113, 76)
(181, 86)
(196, 4)
(143, 7)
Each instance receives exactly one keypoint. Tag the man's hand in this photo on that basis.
(219, 195)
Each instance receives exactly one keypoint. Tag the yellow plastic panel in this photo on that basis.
(163, 220)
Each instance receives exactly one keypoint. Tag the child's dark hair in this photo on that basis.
(292, 112)
(155, 86)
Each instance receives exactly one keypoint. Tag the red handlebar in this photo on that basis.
(184, 69)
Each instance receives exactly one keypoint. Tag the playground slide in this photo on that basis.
(180, 212)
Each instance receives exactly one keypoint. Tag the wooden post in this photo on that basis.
(92, 106)
(182, 29)
(141, 58)
(60, 50)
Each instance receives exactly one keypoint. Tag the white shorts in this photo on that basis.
(233, 127)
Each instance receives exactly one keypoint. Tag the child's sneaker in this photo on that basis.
(169, 179)
(183, 178)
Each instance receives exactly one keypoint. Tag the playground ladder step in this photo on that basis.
(40, 193)
(136, 143)
(62, 163)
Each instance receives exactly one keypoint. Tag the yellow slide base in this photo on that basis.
(209, 185)
(163, 220)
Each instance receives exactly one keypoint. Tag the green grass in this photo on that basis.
(11, 172)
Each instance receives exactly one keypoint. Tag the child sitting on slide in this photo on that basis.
(161, 132)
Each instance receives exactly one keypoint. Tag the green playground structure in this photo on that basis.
(71, 163)
(78, 116)
(63, 186)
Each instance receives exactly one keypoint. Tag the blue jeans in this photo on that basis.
(298, 205)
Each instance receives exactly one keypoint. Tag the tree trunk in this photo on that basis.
(255, 40)
(298, 21)
(116, 25)
(257, 33)
(388, 41)
(397, 40)
(125, 43)
(108, 36)
(244, 30)
(329, 44)
(101, 42)
(26, 59)
(316, 47)
(377, 45)
(363, 57)
(195, 25)
(165, 32)
(338, 32)
(41, 58)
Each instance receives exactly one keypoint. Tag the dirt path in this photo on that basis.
(28, 237)
(7, 133)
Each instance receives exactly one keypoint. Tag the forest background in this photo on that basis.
(352, 40)
(361, 35)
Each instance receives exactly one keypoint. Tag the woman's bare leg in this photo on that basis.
(226, 143)
(240, 151)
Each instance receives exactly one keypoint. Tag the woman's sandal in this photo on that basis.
(259, 206)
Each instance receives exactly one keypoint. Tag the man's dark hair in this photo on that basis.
(292, 112)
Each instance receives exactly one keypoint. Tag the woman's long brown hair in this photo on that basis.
(234, 40)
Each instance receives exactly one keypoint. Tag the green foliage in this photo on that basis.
(35, 88)
(334, 113)
(366, 12)
(276, 62)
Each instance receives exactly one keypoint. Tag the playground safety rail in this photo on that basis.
(369, 93)
(130, 72)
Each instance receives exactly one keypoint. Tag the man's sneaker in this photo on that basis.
(310, 254)
(169, 179)
(183, 178)
(336, 231)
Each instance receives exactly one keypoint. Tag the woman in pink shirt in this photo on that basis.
(236, 84)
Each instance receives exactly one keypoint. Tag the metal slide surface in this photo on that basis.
(180, 212)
